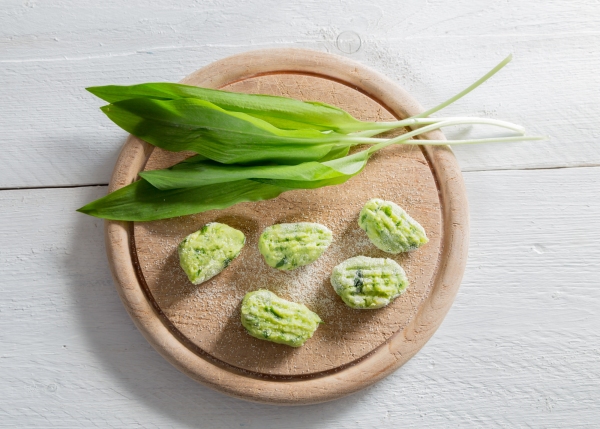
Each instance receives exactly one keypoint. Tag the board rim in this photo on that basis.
(381, 361)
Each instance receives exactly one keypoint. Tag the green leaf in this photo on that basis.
(351, 164)
(231, 129)
(336, 152)
(226, 137)
(282, 112)
(140, 201)
(308, 175)
(342, 170)
(189, 175)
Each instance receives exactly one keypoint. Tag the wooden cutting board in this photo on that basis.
(198, 329)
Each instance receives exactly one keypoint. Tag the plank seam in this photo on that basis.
(26, 188)
(532, 168)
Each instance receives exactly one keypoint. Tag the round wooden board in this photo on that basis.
(197, 328)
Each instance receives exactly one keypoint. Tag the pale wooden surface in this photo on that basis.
(197, 328)
(208, 315)
(518, 348)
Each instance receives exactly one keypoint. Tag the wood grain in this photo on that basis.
(208, 316)
(518, 347)
(50, 52)
(520, 344)
(197, 329)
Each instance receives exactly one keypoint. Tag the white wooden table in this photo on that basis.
(519, 348)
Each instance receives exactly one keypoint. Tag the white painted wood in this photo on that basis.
(53, 135)
(519, 348)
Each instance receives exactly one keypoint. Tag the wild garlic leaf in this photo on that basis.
(282, 112)
(140, 201)
(343, 169)
(335, 153)
(301, 145)
(189, 175)
(307, 175)
(226, 137)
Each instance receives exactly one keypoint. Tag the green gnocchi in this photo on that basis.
(268, 317)
(287, 246)
(205, 253)
(390, 228)
(368, 283)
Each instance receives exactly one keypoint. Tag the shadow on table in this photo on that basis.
(135, 371)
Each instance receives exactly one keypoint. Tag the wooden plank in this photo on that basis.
(203, 316)
(53, 134)
(34, 30)
(519, 346)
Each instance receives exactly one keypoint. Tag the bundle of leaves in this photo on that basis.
(250, 147)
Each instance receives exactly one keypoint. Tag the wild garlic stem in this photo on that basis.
(404, 137)
(468, 89)
(426, 121)
(428, 142)
(434, 124)
(377, 127)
